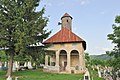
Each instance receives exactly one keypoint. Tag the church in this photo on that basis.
(65, 53)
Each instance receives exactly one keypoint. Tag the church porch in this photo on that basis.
(62, 62)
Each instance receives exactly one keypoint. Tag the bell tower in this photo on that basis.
(66, 21)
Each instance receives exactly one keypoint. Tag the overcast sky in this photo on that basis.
(92, 20)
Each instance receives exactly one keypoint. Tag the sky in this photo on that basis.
(92, 20)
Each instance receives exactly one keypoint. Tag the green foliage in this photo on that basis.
(115, 38)
(94, 60)
(2, 73)
(101, 57)
(98, 62)
(21, 26)
(87, 59)
(37, 54)
(22, 58)
(3, 56)
(115, 63)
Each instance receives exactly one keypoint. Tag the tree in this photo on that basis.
(87, 58)
(37, 54)
(115, 38)
(20, 26)
(98, 62)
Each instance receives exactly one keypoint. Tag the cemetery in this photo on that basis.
(34, 47)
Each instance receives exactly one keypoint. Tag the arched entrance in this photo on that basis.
(63, 60)
(74, 57)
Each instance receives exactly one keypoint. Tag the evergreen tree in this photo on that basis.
(20, 26)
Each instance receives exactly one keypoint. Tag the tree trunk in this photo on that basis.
(10, 65)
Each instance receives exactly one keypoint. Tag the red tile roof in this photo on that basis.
(64, 35)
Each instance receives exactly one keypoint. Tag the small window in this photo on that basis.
(67, 20)
(86, 78)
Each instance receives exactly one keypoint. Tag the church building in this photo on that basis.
(65, 53)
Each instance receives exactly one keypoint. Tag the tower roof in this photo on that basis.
(65, 36)
(66, 15)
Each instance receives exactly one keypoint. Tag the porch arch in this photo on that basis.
(74, 57)
(63, 60)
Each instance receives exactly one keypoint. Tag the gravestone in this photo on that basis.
(9, 78)
(87, 75)
(14, 67)
(29, 65)
(25, 65)
(16, 78)
(104, 72)
(93, 67)
(5, 64)
(0, 65)
(99, 72)
(17, 65)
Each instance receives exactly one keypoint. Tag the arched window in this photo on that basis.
(63, 60)
(74, 57)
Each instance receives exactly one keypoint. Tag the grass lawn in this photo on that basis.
(2, 75)
(39, 75)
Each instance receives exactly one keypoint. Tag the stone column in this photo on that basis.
(83, 59)
(80, 61)
(68, 63)
(46, 60)
(57, 61)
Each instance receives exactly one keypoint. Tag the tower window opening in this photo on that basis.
(67, 20)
